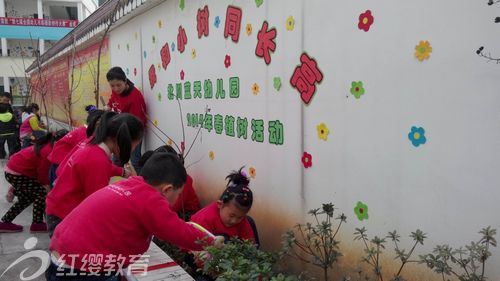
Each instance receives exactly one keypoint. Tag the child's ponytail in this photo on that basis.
(124, 141)
(101, 133)
(92, 120)
(237, 190)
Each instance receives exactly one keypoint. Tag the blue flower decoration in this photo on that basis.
(173, 47)
(217, 21)
(145, 54)
(417, 136)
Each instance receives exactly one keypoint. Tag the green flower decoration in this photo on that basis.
(361, 211)
(357, 89)
(259, 2)
(182, 4)
(159, 96)
(277, 83)
(128, 47)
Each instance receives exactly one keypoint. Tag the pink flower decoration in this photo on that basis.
(182, 74)
(227, 61)
(183, 146)
(365, 20)
(306, 160)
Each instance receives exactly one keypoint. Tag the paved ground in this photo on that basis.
(12, 245)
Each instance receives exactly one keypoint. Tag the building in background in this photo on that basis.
(31, 26)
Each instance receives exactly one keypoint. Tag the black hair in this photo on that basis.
(60, 134)
(237, 190)
(34, 107)
(48, 138)
(164, 168)
(4, 107)
(145, 157)
(116, 73)
(6, 94)
(123, 127)
(170, 149)
(94, 115)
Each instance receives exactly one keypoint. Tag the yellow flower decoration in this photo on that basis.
(423, 50)
(193, 53)
(155, 122)
(252, 172)
(159, 66)
(211, 155)
(160, 23)
(170, 142)
(249, 29)
(322, 131)
(290, 23)
(255, 88)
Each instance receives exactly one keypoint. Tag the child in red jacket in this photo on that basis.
(89, 168)
(28, 172)
(118, 222)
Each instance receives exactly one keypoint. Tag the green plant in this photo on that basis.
(241, 261)
(374, 249)
(471, 259)
(317, 240)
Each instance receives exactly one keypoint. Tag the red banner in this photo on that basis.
(38, 22)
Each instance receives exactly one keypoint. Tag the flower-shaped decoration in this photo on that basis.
(258, 2)
(252, 172)
(193, 53)
(423, 50)
(255, 89)
(361, 211)
(135, 71)
(160, 23)
(170, 142)
(211, 155)
(145, 54)
(365, 20)
(155, 122)
(290, 23)
(154, 39)
(217, 21)
(417, 136)
(182, 74)
(173, 47)
(249, 29)
(307, 160)
(158, 65)
(159, 96)
(322, 131)
(183, 147)
(277, 83)
(182, 4)
(357, 89)
(128, 47)
(227, 61)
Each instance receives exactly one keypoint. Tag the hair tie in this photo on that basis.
(92, 108)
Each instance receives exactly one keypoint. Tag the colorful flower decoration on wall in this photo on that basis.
(155, 122)
(182, 4)
(357, 89)
(170, 142)
(423, 50)
(417, 136)
(322, 131)
(153, 39)
(158, 65)
(211, 155)
(361, 211)
(277, 83)
(365, 20)
(160, 24)
(145, 54)
(183, 147)
(135, 71)
(307, 160)
(255, 89)
(173, 47)
(193, 53)
(249, 29)
(258, 2)
(182, 74)
(217, 21)
(252, 172)
(290, 23)
(227, 61)
(159, 96)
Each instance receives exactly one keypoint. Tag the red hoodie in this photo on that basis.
(27, 163)
(132, 103)
(63, 146)
(87, 170)
(119, 220)
(187, 199)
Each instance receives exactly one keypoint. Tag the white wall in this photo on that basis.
(447, 187)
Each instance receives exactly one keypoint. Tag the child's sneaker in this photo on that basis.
(10, 195)
(10, 227)
(38, 227)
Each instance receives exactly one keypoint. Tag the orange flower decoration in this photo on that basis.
(211, 155)
(255, 89)
(252, 172)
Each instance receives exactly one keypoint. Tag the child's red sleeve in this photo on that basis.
(246, 231)
(187, 198)
(44, 165)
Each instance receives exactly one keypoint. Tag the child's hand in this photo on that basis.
(129, 170)
(219, 242)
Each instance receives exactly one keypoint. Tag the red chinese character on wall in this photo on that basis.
(165, 55)
(181, 39)
(233, 23)
(265, 43)
(305, 77)
(152, 75)
(202, 19)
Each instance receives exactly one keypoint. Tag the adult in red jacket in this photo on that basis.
(126, 98)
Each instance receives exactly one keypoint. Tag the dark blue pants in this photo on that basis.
(54, 273)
